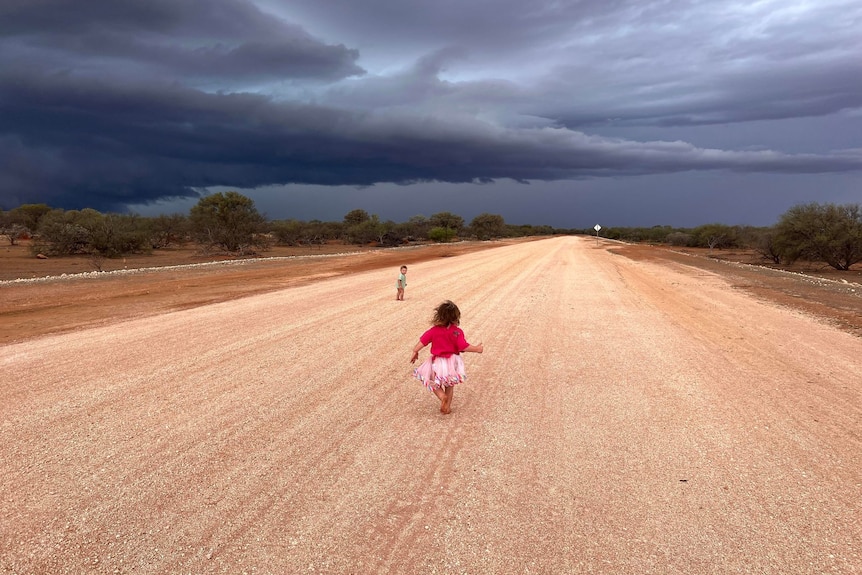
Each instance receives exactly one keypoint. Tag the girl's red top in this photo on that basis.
(445, 341)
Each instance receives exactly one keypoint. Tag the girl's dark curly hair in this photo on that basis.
(447, 313)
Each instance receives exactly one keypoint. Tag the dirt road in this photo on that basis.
(627, 417)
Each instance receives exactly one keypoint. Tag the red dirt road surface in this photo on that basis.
(627, 417)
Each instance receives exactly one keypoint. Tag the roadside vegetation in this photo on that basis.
(229, 223)
(824, 233)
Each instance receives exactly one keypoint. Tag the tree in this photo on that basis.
(355, 217)
(657, 234)
(447, 220)
(113, 235)
(488, 226)
(167, 230)
(526, 230)
(416, 227)
(90, 232)
(21, 221)
(822, 232)
(441, 235)
(368, 230)
(387, 234)
(764, 241)
(715, 236)
(65, 233)
(228, 221)
(679, 239)
(287, 232)
(10, 227)
(29, 215)
(316, 232)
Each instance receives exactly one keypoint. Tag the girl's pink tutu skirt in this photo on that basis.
(439, 372)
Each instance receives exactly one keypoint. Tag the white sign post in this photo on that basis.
(597, 227)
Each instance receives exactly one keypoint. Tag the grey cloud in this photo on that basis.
(203, 39)
(114, 102)
(716, 63)
(741, 97)
(184, 18)
(138, 142)
(492, 26)
(647, 63)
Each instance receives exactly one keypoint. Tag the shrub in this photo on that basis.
(441, 235)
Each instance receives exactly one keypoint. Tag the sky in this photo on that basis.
(546, 112)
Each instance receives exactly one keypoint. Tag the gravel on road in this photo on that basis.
(627, 417)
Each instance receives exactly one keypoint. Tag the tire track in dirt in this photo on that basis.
(626, 417)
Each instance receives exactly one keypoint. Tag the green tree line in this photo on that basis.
(229, 222)
(826, 233)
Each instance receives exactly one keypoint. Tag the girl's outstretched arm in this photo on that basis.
(478, 348)
(419, 345)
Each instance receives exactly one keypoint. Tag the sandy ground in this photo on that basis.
(62, 294)
(631, 414)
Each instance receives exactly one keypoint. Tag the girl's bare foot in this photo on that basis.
(441, 395)
(446, 403)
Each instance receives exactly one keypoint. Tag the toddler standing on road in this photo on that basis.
(401, 284)
(444, 368)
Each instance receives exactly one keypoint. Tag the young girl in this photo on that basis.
(401, 284)
(445, 368)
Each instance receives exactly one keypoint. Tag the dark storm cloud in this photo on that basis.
(107, 103)
(666, 63)
(770, 91)
(197, 39)
(117, 144)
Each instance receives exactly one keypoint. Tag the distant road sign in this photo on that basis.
(597, 227)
